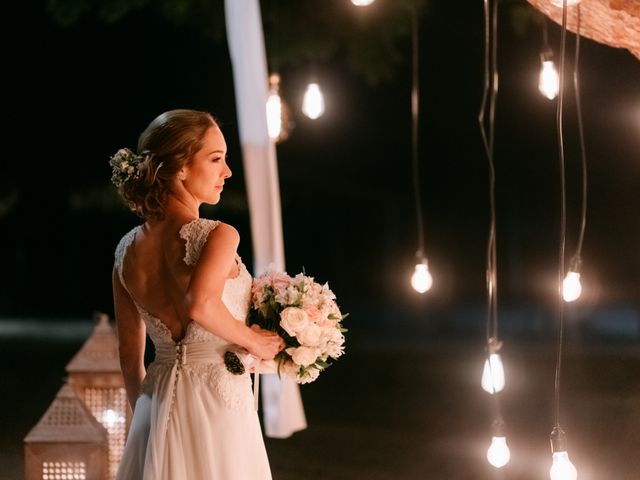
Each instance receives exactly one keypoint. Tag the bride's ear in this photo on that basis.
(182, 174)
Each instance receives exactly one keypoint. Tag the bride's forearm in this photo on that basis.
(213, 315)
(133, 377)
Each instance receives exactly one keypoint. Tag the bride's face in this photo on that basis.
(204, 176)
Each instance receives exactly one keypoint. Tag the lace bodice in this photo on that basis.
(236, 294)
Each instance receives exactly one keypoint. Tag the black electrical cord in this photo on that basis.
(415, 109)
(563, 216)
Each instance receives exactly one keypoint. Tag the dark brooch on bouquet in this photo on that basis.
(233, 363)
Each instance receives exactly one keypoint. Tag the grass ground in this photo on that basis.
(407, 411)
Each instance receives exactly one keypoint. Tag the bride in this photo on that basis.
(178, 278)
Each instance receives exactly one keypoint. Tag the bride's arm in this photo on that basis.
(203, 299)
(131, 340)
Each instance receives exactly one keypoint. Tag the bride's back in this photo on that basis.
(156, 276)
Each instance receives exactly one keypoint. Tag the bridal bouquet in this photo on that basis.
(305, 314)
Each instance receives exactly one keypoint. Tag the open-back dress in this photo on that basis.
(194, 420)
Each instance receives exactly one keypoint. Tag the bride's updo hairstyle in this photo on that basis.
(166, 145)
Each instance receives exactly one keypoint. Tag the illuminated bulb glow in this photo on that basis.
(421, 280)
(362, 3)
(493, 374)
(110, 418)
(498, 453)
(274, 115)
(549, 83)
(313, 102)
(570, 3)
(571, 287)
(562, 468)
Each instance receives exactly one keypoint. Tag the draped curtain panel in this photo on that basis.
(283, 411)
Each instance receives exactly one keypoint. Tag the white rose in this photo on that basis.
(310, 336)
(289, 369)
(309, 375)
(335, 350)
(332, 335)
(293, 320)
(304, 355)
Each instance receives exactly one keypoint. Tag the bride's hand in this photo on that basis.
(265, 344)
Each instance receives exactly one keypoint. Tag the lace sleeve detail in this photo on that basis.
(195, 235)
(121, 250)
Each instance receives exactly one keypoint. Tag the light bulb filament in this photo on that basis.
(493, 379)
(549, 82)
(313, 101)
(421, 280)
(571, 287)
(498, 453)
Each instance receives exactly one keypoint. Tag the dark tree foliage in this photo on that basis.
(297, 32)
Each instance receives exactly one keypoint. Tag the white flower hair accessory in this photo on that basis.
(126, 165)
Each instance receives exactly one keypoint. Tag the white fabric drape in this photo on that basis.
(282, 405)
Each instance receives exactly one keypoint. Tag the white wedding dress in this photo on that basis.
(194, 420)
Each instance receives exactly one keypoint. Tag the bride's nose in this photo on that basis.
(227, 172)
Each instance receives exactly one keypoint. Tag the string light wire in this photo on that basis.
(487, 131)
(563, 215)
(486, 122)
(583, 155)
(415, 111)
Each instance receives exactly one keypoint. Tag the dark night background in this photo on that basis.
(75, 94)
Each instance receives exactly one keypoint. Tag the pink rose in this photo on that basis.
(314, 314)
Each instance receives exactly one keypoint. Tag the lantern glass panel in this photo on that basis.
(64, 471)
(109, 406)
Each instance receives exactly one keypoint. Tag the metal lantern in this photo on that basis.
(68, 443)
(95, 375)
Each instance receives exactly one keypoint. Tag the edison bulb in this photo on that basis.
(421, 280)
(571, 287)
(562, 468)
(362, 3)
(274, 115)
(498, 453)
(549, 82)
(493, 374)
(560, 3)
(313, 101)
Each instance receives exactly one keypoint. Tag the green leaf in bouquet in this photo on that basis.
(321, 364)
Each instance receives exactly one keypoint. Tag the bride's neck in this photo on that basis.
(181, 206)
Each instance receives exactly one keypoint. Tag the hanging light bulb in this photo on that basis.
(560, 3)
(561, 468)
(493, 374)
(421, 280)
(498, 453)
(274, 108)
(549, 82)
(278, 123)
(362, 3)
(313, 101)
(571, 288)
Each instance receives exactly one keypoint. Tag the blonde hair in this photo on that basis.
(166, 145)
